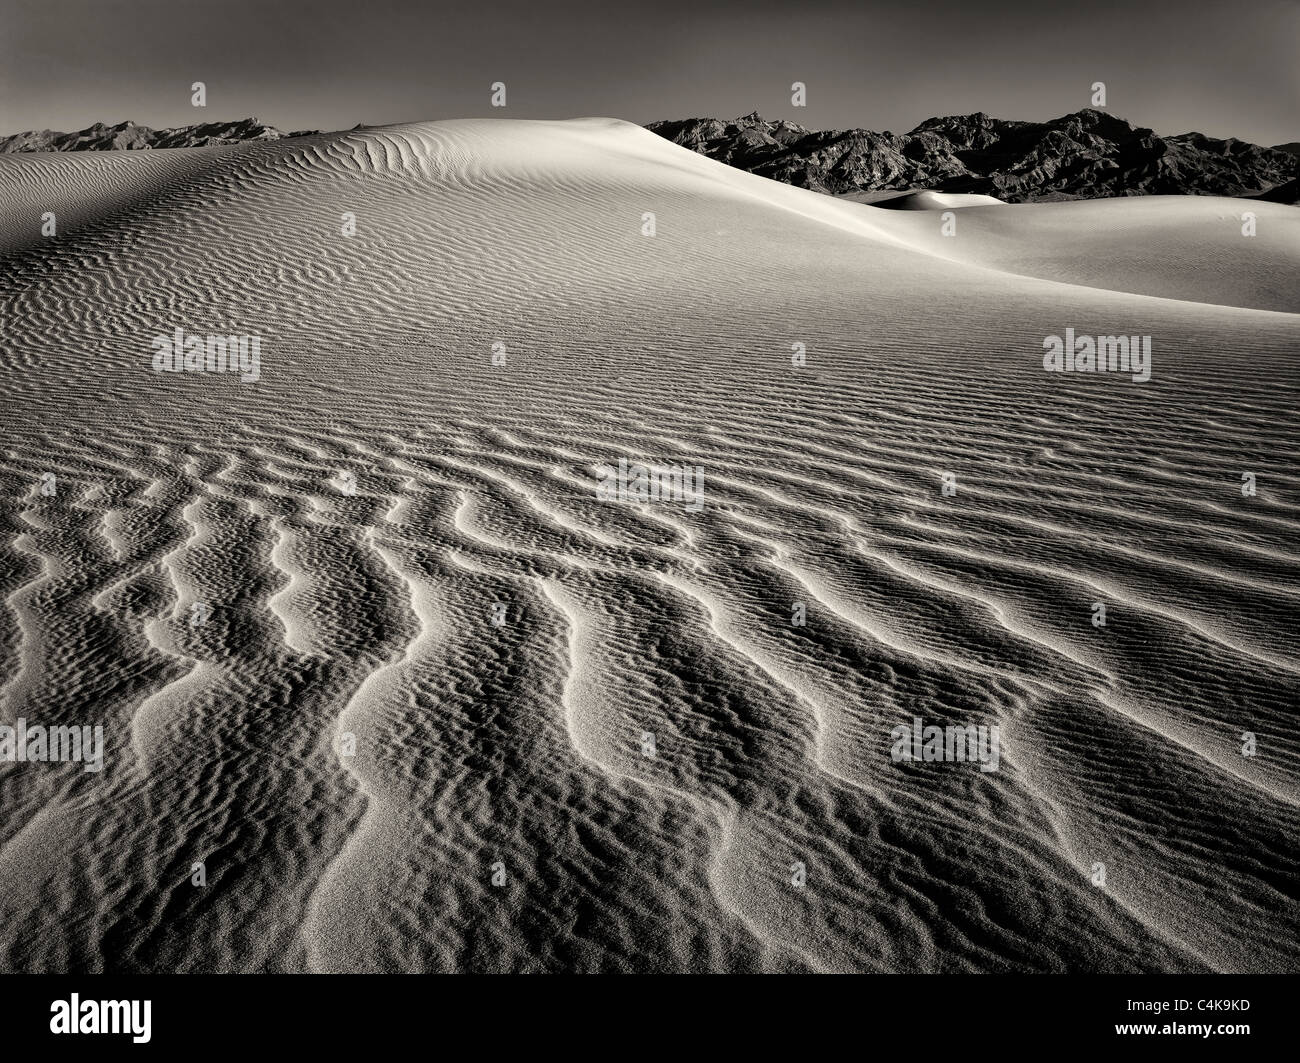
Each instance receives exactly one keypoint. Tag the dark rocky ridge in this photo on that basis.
(127, 136)
(1087, 155)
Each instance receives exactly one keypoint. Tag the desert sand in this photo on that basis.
(349, 524)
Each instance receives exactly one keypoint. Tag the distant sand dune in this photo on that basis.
(353, 519)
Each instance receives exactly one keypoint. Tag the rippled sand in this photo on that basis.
(371, 610)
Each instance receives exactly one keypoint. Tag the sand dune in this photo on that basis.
(389, 535)
(925, 200)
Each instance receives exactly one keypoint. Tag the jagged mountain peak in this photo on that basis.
(1087, 154)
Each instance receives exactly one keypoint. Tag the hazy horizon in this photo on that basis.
(1224, 73)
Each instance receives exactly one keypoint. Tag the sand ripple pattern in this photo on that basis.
(357, 522)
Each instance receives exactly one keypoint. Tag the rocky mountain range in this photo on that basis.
(127, 136)
(1087, 155)
(1090, 154)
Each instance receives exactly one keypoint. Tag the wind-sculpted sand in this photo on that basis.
(389, 535)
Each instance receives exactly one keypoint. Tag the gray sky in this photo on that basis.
(1224, 69)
